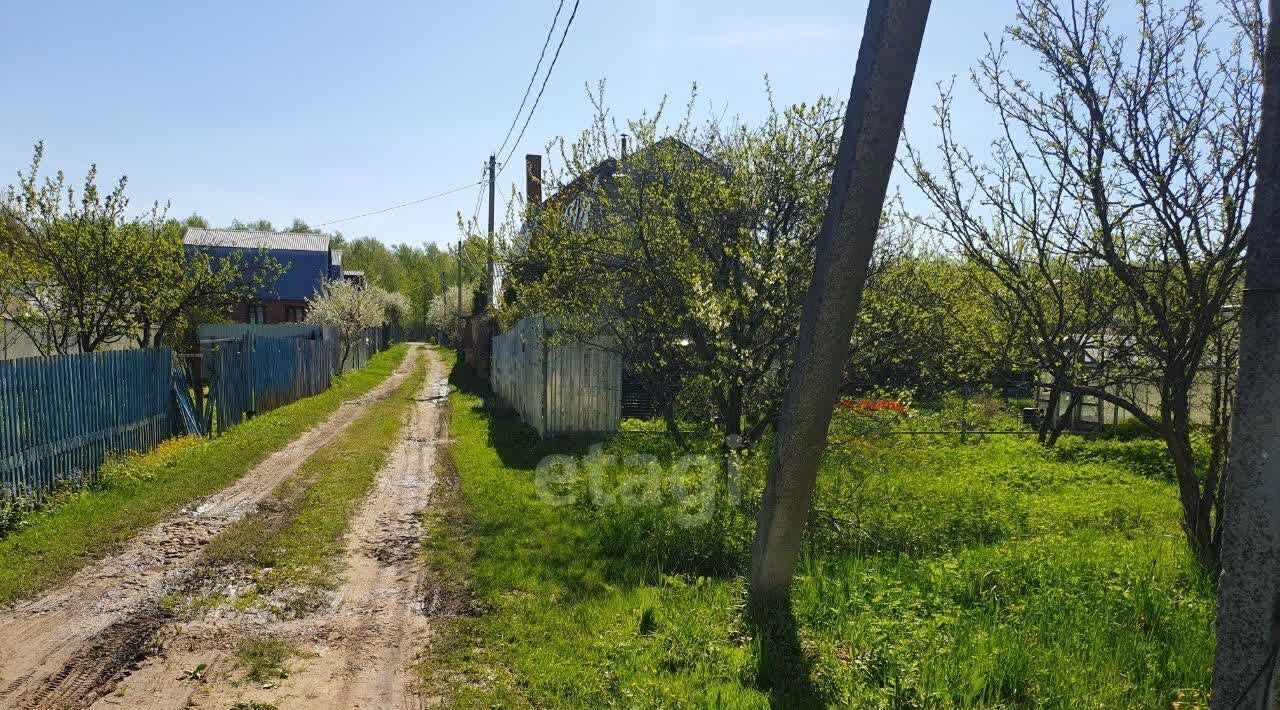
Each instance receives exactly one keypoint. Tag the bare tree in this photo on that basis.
(1152, 143)
(1249, 589)
(1013, 217)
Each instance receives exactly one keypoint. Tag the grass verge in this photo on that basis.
(57, 542)
(294, 540)
(936, 575)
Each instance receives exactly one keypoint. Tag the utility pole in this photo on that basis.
(1249, 586)
(444, 293)
(459, 292)
(872, 123)
(493, 181)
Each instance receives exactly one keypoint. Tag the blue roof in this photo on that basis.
(306, 267)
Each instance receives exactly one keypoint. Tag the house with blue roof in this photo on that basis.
(308, 261)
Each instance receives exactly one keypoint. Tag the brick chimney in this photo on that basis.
(533, 179)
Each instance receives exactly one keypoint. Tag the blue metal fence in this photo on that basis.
(61, 416)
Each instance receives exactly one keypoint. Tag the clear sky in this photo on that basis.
(326, 109)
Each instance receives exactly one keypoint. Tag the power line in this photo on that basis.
(532, 78)
(542, 88)
(475, 213)
(403, 204)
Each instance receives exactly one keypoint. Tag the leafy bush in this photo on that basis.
(1145, 457)
(1126, 430)
(869, 417)
(15, 510)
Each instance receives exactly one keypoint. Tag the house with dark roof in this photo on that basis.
(587, 199)
(308, 261)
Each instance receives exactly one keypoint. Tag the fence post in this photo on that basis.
(197, 381)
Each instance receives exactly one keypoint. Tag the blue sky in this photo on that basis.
(323, 109)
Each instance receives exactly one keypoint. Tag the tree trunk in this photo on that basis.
(1050, 413)
(1249, 586)
(1196, 511)
(673, 427)
(1060, 423)
(346, 350)
(731, 412)
(144, 332)
(872, 124)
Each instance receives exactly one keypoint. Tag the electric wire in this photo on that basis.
(403, 204)
(532, 78)
(550, 68)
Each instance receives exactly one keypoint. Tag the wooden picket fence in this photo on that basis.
(556, 388)
(60, 417)
(372, 342)
(252, 375)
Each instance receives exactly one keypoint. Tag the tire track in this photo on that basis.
(66, 647)
(356, 652)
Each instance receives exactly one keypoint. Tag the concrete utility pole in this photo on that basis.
(459, 290)
(493, 180)
(872, 123)
(1249, 588)
(444, 291)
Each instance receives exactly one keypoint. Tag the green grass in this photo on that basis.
(295, 540)
(263, 660)
(55, 543)
(936, 575)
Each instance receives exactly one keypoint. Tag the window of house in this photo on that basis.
(257, 313)
(295, 314)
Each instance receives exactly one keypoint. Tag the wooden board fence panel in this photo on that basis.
(254, 375)
(571, 388)
(364, 346)
(229, 386)
(60, 417)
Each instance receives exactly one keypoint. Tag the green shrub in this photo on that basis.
(15, 511)
(1145, 457)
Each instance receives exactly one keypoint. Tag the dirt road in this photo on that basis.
(354, 652)
(70, 646)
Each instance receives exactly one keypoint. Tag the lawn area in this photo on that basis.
(142, 490)
(989, 574)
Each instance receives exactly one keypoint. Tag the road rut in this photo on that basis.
(68, 646)
(357, 651)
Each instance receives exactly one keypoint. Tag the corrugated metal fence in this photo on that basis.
(556, 388)
(61, 416)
